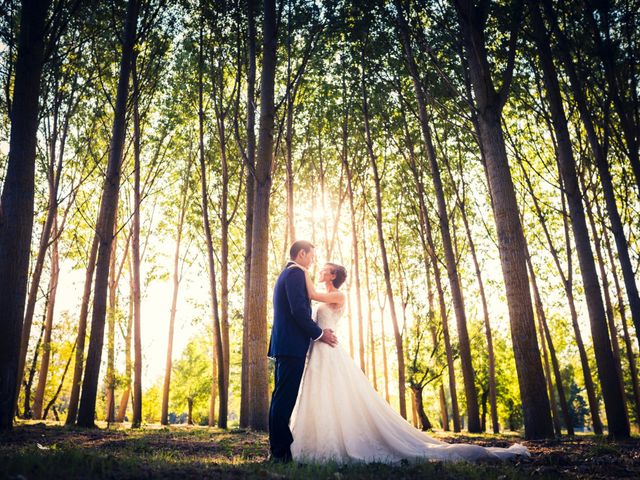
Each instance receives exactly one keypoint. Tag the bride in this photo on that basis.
(339, 417)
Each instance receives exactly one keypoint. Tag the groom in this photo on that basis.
(293, 329)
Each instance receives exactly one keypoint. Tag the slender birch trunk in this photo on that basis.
(106, 221)
(46, 344)
(74, 396)
(249, 206)
(136, 421)
(164, 416)
(383, 249)
(468, 374)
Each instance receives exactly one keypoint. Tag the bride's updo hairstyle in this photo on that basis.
(339, 271)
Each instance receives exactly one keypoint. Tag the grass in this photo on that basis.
(49, 451)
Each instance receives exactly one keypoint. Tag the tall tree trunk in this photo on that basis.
(257, 346)
(444, 415)
(136, 421)
(468, 374)
(58, 134)
(545, 338)
(603, 169)
(381, 299)
(54, 175)
(383, 250)
(16, 215)
(34, 288)
(428, 247)
(291, 224)
(611, 321)
(111, 330)
(354, 231)
(631, 357)
(607, 54)
(249, 206)
(485, 311)
(385, 363)
(567, 282)
(106, 221)
(224, 294)
(313, 209)
(337, 215)
(128, 368)
(218, 354)
(27, 412)
(78, 366)
(461, 200)
(489, 103)
(372, 344)
(112, 313)
(321, 180)
(164, 416)
(46, 344)
(224, 267)
(350, 313)
(455, 412)
(618, 423)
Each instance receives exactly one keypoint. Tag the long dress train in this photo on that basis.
(339, 417)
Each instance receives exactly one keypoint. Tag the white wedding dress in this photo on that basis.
(339, 417)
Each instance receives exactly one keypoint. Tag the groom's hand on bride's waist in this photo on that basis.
(328, 336)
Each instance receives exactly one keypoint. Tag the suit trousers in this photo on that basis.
(288, 374)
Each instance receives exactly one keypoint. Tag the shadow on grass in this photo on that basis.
(39, 451)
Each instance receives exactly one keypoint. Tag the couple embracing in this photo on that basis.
(323, 408)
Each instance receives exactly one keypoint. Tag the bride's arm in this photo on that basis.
(326, 297)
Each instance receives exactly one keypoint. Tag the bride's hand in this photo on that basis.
(296, 265)
(329, 337)
(306, 271)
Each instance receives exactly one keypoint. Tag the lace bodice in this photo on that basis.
(328, 316)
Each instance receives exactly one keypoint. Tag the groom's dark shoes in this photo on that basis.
(286, 458)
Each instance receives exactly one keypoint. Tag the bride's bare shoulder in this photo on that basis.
(340, 303)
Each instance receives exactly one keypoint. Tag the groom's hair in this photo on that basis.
(340, 273)
(300, 245)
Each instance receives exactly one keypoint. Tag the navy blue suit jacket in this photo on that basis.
(293, 328)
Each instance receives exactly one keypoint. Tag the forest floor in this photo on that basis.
(36, 451)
